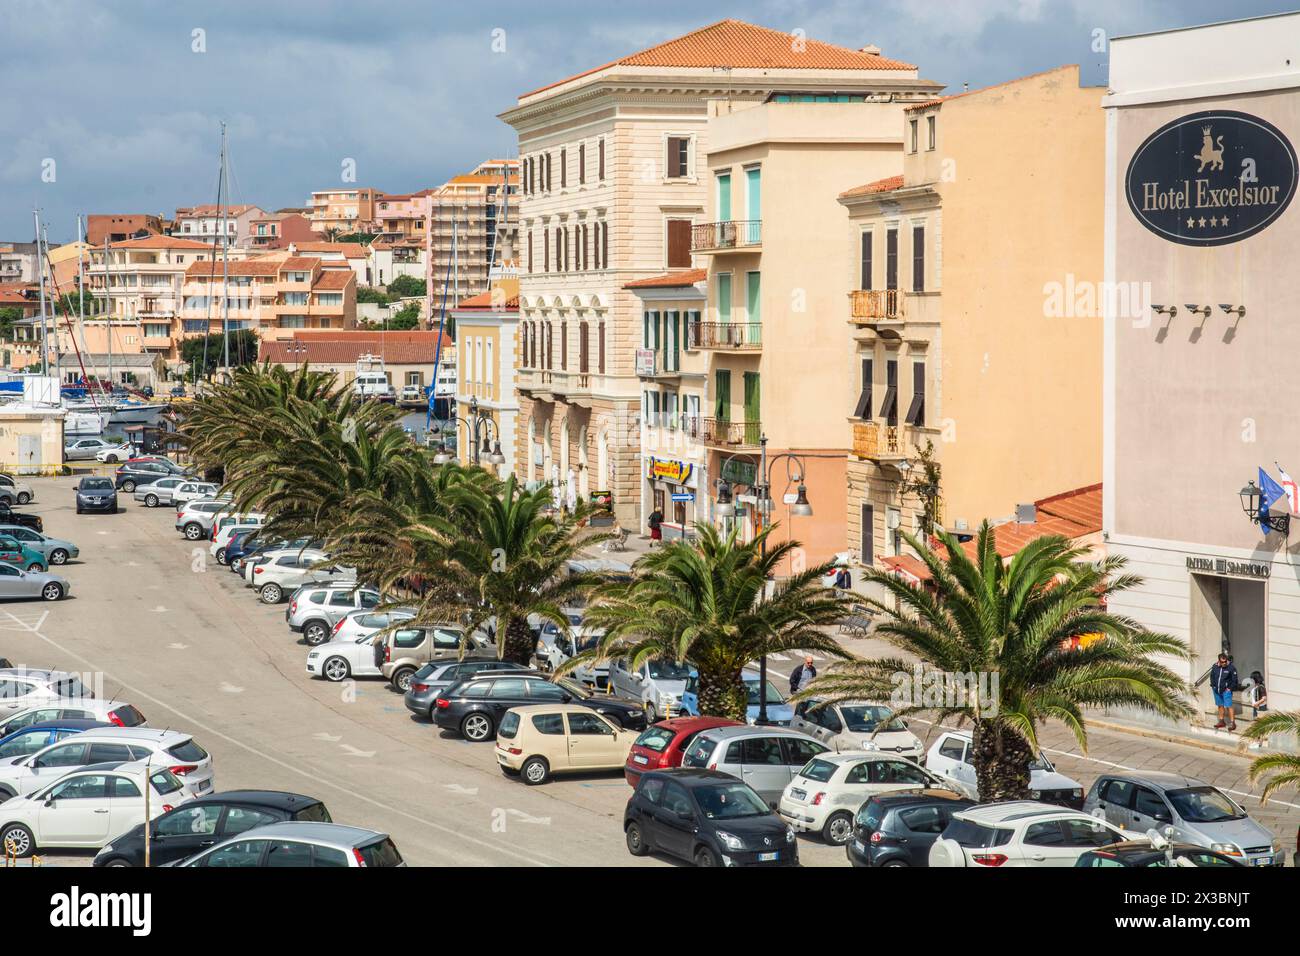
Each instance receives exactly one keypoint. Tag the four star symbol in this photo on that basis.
(1193, 223)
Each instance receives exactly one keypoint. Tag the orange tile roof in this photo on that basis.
(906, 565)
(334, 279)
(888, 184)
(329, 350)
(669, 280)
(211, 209)
(258, 266)
(350, 250)
(1073, 514)
(299, 263)
(161, 242)
(740, 45)
(484, 301)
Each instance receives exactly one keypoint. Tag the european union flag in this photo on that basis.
(1270, 492)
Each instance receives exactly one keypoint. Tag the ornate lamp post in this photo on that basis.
(477, 422)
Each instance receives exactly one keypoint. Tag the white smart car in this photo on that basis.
(950, 758)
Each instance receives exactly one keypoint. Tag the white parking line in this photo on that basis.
(540, 859)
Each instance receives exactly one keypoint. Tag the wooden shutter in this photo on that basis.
(546, 252)
(604, 246)
(564, 168)
(863, 408)
(530, 250)
(916, 410)
(582, 163)
(548, 172)
(600, 155)
(891, 259)
(585, 246)
(601, 367)
(679, 243)
(864, 282)
(867, 536)
(918, 258)
(564, 344)
(677, 147)
(889, 407)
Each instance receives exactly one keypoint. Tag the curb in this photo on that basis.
(1170, 737)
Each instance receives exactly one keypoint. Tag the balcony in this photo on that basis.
(570, 385)
(721, 433)
(731, 235)
(879, 442)
(874, 306)
(650, 364)
(727, 336)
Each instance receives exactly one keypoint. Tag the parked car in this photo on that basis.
(779, 713)
(554, 648)
(85, 449)
(657, 684)
(364, 623)
(169, 748)
(474, 707)
(286, 570)
(897, 829)
(1198, 813)
(22, 688)
(950, 758)
(766, 758)
(13, 552)
(89, 807)
(17, 583)
(827, 791)
(34, 736)
(96, 494)
(538, 741)
(708, 818)
(26, 519)
(1148, 853)
(158, 492)
(111, 456)
(394, 655)
(301, 844)
(142, 471)
(191, 490)
(177, 391)
(15, 491)
(313, 611)
(205, 821)
(858, 725)
(1020, 833)
(412, 393)
(195, 519)
(53, 551)
(662, 745)
(433, 678)
(112, 712)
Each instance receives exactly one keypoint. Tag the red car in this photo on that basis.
(661, 745)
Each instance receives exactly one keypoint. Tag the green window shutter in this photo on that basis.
(752, 308)
(722, 398)
(752, 410)
(724, 297)
(724, 197)
(677, 341)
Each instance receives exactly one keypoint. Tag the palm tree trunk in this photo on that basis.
(1001, 757)
(518, 643)
(722, 694)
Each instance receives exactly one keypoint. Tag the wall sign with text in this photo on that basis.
(1211, 178)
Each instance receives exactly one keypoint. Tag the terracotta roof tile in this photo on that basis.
(346, 351)
(1073, 514)
(161, 242)
(484, 301)
(669, 280)
(740, 45)
(299, 263)
(259, 266)
(907, 566)
(888, 184)
(331, 279)
(350, 250)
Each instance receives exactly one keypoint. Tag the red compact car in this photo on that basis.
(661, 745)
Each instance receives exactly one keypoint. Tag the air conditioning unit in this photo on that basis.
(893, 520)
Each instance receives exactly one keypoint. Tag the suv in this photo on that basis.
(84, 708)
(657, 684)
(766, 758)
(193, 490)
(142, 472)
(23, 687)
(382, 654)
(12, 490)
(171, 749)
(1183, 809)
(898, 829)
(1020, 833)
(950, 758)
(313, 611)
(283, 571)
(195, 518)
(95, 493)
(475, 706)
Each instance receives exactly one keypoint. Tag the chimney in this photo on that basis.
(870, 49)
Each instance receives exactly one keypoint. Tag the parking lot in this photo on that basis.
(177, 635)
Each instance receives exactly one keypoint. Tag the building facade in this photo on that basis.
(487, 327)
(119, 228)
(208, 221)
(964, 349)
(276, 230)
(614, 175)
(1200, 391)
(343, 211)
(18, 263)
(480, 212)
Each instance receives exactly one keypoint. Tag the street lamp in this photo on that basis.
(726, 508)
(1251, 501)
(485, 449)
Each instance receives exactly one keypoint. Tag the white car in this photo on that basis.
(194, 519)
(84, 449)
(950, 758)
(86, 708)
(170, 748)
(285, 571)
(858, 725)
(89, 807)
(159, 492)
(194, 491)
(339, 659)
(1020, 833)
(221, 539)
(13, 490)
(824, 796)
(115, 453)
(364, 622)
(554, 648)
(22, 688)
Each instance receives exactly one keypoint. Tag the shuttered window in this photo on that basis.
(679, 243)
(604, 246)
(564, 168)
(678, 156)
(564, 344)
(918, 258)
(916, 411)
(863, 408)
(530, 250)
(601, 345)
(864, 281)
(582, 163)
(546, 252)
(891, 259)
(867, 536)
(889, 407)
(548, 172)
(600, 157)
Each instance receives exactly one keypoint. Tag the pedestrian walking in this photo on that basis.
(656, 522)
(1223, 681)
(802, 675)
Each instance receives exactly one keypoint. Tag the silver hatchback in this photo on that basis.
(314, 610)
(1197, 812)
(766, 758)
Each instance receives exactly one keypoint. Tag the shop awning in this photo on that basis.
(910, 569)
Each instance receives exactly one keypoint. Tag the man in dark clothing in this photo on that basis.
(1223, 681)
(802, 675)
(656, 521)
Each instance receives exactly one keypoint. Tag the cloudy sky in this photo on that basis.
(126, 102)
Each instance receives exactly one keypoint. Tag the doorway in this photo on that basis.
(1228, 614)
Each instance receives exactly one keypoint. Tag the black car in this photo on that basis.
(474, 707)
(896, 829)
(9, 516)
(134, 473)
(197, 824)
(1140, 853)
(96, 494)
(707, 817)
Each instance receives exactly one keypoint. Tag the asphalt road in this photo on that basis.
(167, 629)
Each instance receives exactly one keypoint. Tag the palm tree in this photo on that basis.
(705, 603)
(996, 637)
(1285, 768)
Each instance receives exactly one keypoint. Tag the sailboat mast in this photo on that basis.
(108, 316)
(81, 283)
(40, 273)
(225, 254)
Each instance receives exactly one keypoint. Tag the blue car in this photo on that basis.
(33, 737)
(779, 713)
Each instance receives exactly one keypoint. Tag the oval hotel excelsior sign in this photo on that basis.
(1211, 178)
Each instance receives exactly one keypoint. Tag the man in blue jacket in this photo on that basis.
(1223, 681)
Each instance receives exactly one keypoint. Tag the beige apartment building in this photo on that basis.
(1202, 125)
(207, 222)
(480, 210)
(614, 175)
(343, 211)
(487, 327)
(974, 322)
